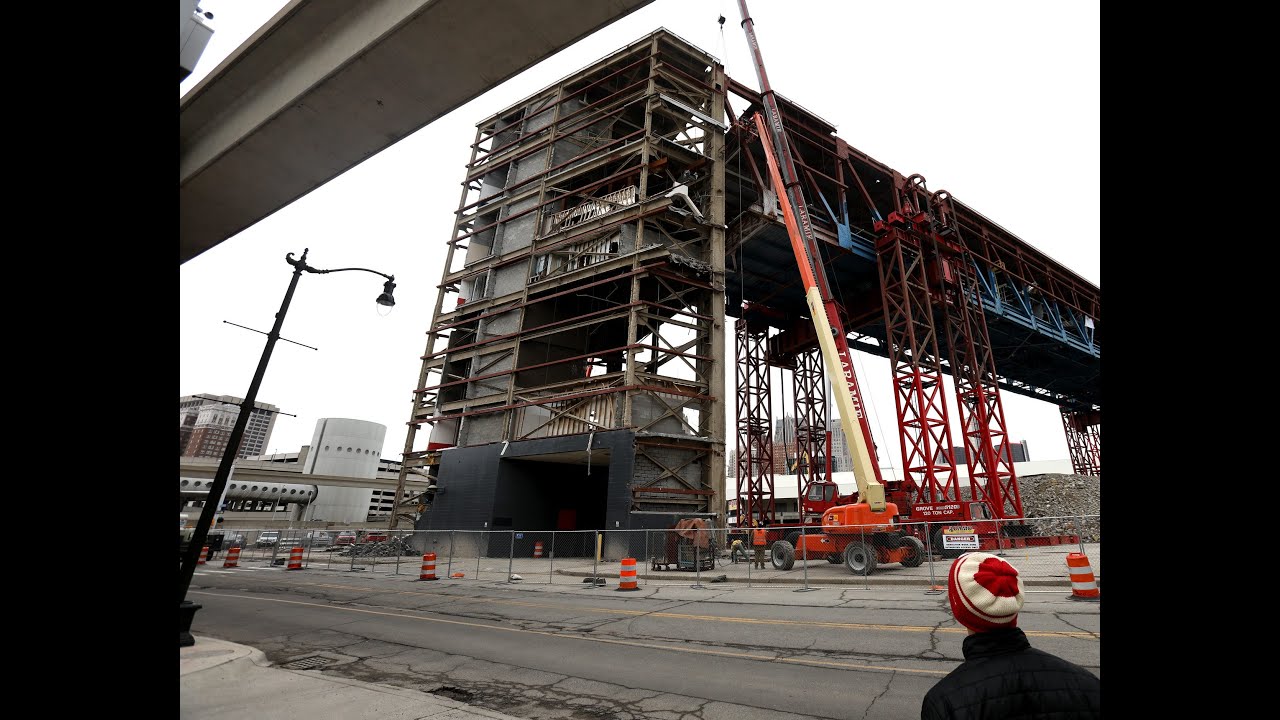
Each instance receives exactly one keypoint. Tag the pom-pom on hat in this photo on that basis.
(985, 592)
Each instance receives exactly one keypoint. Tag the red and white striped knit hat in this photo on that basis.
(985, 592)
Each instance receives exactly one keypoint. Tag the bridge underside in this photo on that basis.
(325, 85)
(1043, 320)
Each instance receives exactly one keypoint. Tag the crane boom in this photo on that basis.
(832, 340)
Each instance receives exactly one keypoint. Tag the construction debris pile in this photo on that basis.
(1070, 501)
(1073, 500)
(386, 548)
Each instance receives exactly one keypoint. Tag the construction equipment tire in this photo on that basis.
(937, 546)
(916, 556)
(783, 555)
(860, 558)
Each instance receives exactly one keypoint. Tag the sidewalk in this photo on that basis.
(222, 680)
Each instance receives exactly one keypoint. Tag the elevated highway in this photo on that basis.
(326, 84)
(251, 471)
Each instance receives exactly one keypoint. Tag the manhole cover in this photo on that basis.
(309, 663)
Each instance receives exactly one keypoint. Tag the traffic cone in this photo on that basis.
(1083, 584)
(204, 555)
(537, 549)
(233, 558)
(295, 559)
(428, 567)
(627, 575)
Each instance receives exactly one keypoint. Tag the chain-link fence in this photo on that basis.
(912, 554)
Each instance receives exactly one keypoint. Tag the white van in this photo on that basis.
(268, 538)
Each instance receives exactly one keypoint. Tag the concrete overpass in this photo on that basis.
(326, 84)
(251, 471)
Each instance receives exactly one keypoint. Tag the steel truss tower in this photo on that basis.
(1084, 440)
(755, 425)
(583, 290)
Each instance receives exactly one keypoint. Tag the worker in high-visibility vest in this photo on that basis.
(758, 541)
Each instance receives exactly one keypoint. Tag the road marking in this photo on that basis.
(628, 643)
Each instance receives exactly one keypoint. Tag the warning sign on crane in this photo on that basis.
(959, 538)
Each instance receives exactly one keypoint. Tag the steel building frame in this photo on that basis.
(583, 287)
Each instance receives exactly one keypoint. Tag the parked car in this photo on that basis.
(375, 536)
(319, 538)
(268, 538)
(346, 537)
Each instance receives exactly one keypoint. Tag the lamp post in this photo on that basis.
(188, 609)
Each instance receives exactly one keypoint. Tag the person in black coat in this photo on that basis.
(1002, 676)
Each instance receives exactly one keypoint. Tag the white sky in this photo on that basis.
(995, 101)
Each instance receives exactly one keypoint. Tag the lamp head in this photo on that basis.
(386, 298)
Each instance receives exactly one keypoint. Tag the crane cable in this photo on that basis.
(722, 49)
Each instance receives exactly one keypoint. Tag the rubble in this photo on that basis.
(386, 548)
(1059, 504)
(1072, 501)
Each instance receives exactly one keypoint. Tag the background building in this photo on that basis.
(1019, 450)
(342, 446)
(205, 422)
(347, 448)
(785, 458)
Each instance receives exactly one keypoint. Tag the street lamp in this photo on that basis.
(187, 609)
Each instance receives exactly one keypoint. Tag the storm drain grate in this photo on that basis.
(309, 663)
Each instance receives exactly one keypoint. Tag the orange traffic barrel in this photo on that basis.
(204, 555)
(537, 549)
(1083, 584)
(428, 567)
(233, 558)
(295, 559)
(627, 576)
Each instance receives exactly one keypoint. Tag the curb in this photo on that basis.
(851, 580)
(208, 653)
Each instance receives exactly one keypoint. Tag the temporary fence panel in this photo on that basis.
(1037, 547)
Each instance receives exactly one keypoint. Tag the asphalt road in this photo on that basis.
(544, 652)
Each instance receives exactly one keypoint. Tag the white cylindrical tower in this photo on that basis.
(342, 446)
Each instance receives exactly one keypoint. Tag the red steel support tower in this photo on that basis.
(1084, 440)
(811, 422)
(755, 427)
(910, 290)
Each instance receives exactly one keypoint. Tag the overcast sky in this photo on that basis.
(995, 101)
